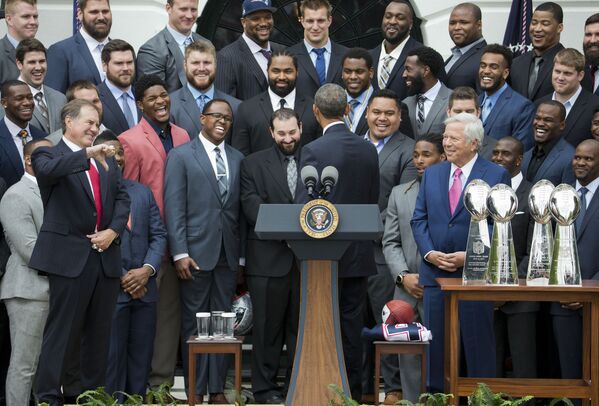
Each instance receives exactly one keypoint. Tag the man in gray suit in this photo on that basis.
(202, 213)
(401, 252)
(427, 96)
(21, 23)
(24, 292)
(187, 102)
(162, 54)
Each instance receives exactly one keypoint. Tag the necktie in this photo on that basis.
(39, 99)
(282, 103)
(353, 104)
(201, 101)
(187, 41)
(456, 53)
(221, 175)
(94, 177)
(127, 110)
(455, 191)
(533, 75)
(420, 110)
(24, 135)
(583, 208)
(321, 69)
(487, 106)
(267, 53)
(593, 73)
(385, 71)
(291, 174)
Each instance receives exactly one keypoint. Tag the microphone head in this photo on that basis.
(330, 172)
(308, 172)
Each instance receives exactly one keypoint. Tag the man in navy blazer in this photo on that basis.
(589, 45)
(440, 225)
(79, 57)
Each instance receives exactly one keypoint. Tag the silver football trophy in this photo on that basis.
(565, 207)
(478, 245)
(539, 261)
(502, 204)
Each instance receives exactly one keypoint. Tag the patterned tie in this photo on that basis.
(94, 177)
(39, 99)
(267, 54)
(583, 208)
(385, 71)
(221, 175)
(291, 174)
(187, 41)
(127, 110)
(455, 191)
(353, 105)
(321, 69)
(533, 76)
(420, 110)
(24, 135)
(487, 106)
(201, 102)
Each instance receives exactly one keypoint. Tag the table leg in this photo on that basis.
(423, 370)
(594, 343)
(377, 374)
(191, 381)
(238, 370)
(452, 326)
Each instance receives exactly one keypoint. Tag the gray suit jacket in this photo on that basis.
(433, 123)
(55, 102)
(486, 149)
(8, 64)
(161, 56)
(21, 214)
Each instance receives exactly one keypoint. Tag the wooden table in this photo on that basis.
(586, 388)
(212, 346)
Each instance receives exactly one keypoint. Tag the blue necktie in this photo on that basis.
(487, 107)
(201, 101)
(127, 111)
(583, 208)
(320, 66)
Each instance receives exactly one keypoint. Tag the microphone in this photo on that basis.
(329, 177)
(309, 177)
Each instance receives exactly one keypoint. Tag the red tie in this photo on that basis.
(94, 177)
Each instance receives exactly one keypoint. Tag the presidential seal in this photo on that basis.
(319, 218)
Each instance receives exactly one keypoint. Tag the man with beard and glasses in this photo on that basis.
(466, 32)
(504, 112)
(251, 132)
(390, 57)
(243, 63)
(428, 97)
(268, 177)
(590, 45)
(200, 70)
(116, 93)
(80, 56)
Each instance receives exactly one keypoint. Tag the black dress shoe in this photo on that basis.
(275, 399)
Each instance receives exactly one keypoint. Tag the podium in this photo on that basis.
(319, 352)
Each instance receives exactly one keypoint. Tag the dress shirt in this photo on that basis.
(430, 97)
(517, 180)
(165, 136)
(313, 56)
(14, 130)
(466, 169)
(568, 104)
(378, 144)
(118, 92)
(275, 100)
(255, 50)
(92, 45)
(324, 130)
(209, 94)
(12, 40)
(179, 38)
(493, 98)
(394, 54)
(74, 147)
(30, 177)
(362, 100)
(462, 51)
(592, 188)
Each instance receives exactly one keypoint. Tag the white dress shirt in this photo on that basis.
(466, 169)
(14, 130)
(394, 54)
(180, 39)
(92, 45)
(275, 100)
(517, 180)
(592, 188)
(255, 50)
(568, 104)
(431, 95)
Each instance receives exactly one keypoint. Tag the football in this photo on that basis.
(397, 312)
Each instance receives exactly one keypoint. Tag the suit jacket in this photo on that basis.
(4, 249)
(578, 122)
(511, 115)
(587, 82)
(251, 132)
(185, 111)
(69, 60)
(357, 184)
(62, 247)
(433, 123)
(557, 166)
(520, 73)
(197, 222)
(145, 156)
(396, 82)
(264, 181)
(161, 56)
(11, 165)
(239, 75)
(307, 79)
(8, 64)
(143, 240)
(55, 102)
(465, 71)
(486, 149)
(21, 214)
(434, 227)
(113, 117)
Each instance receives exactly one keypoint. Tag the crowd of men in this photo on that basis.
(132, 181)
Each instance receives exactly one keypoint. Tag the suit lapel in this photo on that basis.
(411, 104)
(443, 186)
(173, 48)
(477, 172)
(7, 143)
(391, 145)
(590, 214)
(306, 63)
(191, 108)
(83, 50)
(399, 64)
(266, 107)
(577, 109)
(233, 171)
(553, 155)
(277, 172)
(202, 157)
(110, 103)
(250, 61)
(53, 110)
(435, 110)
(335, 62)
(153, 139)
(503, 101)
(465, 57)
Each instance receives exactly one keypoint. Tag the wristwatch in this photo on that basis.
(399, 279)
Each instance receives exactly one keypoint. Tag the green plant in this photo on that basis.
(340, 395)
(484, 396)
(428, 399)
(161, 396)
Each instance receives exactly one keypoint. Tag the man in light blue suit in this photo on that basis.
(504, 112)
(440, 225)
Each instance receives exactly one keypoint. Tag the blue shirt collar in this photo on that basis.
(12, 40)
(360, 98)
(197, 93)
(116, 92)
(468, 47)
(180, 38)
(495, 96)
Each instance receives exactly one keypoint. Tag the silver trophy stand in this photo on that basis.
(539, 261)
(478, 245)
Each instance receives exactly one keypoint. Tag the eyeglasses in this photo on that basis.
(219, 116)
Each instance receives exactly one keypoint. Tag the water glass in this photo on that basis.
(203, 322)
(229, 325)
(216, 322)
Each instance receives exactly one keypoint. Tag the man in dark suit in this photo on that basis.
(568, 72)
(21, 23)
(595, 125)
(440, 225)
(504, 111)
(15, 130)
(319, 58)
(203, 219)
(251, 130)
(590, 45)
(267, 177)
(531, 71)
(466, 32)
(162, 54)
(243, 63)
(80, 56)
(551, 155)
(85, 210)
(390, 57)
(514, 318)
(357, 184)
(116, 92)
(200, 71)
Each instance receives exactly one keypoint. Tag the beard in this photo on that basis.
(96, 33)
(397, 38)
(592, 57)
(281, 92)
(416, 87)
(288, 151)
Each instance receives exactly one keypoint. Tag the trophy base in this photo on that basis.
(477, 282)
(538, 282)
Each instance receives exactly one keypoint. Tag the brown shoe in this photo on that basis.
(391, 398)
(218, 399)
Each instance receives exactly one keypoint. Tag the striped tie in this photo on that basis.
(420, 110)
(353, 104)
(221, 175)
(385, 72)
(41, 104)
